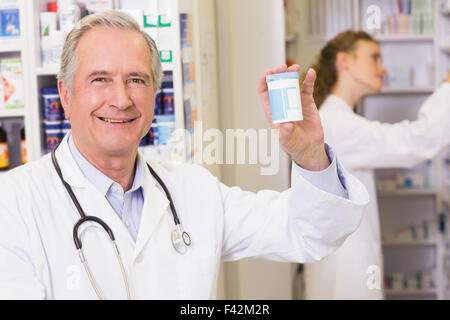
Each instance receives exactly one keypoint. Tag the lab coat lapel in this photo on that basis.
(91, 200)
(155, 206)
(95, 204)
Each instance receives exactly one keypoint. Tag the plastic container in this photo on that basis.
(52, 104)
(168, 96)
(65, 125)
(68, 14)
(64, 132)
(284, 96)
(52, 6)
(144, 141)
(159, 102)
(53, 137)
(48, 23)
(166, 126)
(23, 146)
(152, 136)
(4, 154)
(51, 48)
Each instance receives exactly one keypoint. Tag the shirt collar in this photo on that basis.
(338, 101)
(100, 181)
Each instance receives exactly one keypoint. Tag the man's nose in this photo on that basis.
(119, 95)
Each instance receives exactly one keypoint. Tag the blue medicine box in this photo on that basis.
(9, 23)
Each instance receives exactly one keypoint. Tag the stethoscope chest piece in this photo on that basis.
(186, 239)
(180, 240)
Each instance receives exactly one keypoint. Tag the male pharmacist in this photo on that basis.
(158, 231)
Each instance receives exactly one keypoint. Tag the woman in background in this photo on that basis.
(348, 68)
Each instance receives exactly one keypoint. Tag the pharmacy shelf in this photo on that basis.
(12, 113)
(409, 192)
(10, 44)
(47, 71)
(42, 76)
(409, 244)
(290, 38)
(405, 38)
(409, 90)
(53, 70)
(392, 292)
(167, 66)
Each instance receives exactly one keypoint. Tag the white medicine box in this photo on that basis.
(2, 97)
(12, 83)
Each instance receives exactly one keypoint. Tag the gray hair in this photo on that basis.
(112, 19)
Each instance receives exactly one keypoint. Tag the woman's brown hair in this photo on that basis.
(325, 65)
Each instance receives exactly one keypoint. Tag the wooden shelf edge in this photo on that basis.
(10, 44)
(404, 38)
(413, 192)
(407, 90)
(409, 244)
(12, 113)
(410, 292)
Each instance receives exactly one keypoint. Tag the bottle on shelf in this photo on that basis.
(4, 155)
(23, 146)
(69, 14)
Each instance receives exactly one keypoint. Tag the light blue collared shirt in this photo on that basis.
(128, 205)
(330, 180)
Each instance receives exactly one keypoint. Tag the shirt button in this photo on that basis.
(127, 222)
(115, 188)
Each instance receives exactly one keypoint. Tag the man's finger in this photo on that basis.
(280, 69)
(294, 68)
(262, 86)
(308, 84)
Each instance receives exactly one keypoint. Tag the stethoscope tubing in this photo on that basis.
(84, 218)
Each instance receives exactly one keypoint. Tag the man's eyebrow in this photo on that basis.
(98, 73)
(106, 73)
(140, 74)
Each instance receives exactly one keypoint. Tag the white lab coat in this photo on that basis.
(362, 146)
(38, 258)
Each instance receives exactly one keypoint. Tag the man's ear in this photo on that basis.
(342, 61)
(64, 96)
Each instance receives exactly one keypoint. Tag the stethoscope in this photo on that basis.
(180, 239)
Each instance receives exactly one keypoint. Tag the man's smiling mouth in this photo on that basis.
(115, 120)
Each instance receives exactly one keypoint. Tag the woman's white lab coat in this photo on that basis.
(38, 258)
(362, 146)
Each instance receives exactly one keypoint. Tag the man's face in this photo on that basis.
(112, 103)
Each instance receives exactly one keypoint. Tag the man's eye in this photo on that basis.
(137, 82)
(99, 80)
